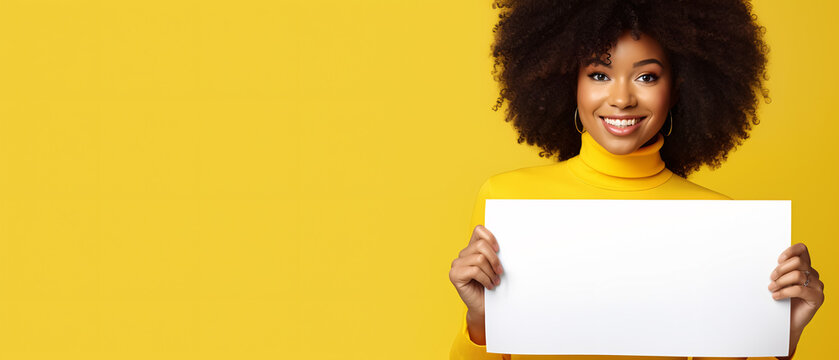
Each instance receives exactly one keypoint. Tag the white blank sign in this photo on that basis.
(638, 277)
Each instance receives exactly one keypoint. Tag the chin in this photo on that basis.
(617, 145)
(620, 149)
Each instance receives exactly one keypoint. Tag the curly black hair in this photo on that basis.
(715, 47)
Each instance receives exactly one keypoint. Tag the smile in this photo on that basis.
(622, 122)
(623, 125)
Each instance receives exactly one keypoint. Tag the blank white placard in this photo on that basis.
(638, 277)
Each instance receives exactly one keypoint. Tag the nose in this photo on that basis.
(622, 95)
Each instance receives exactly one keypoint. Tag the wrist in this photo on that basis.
(475, 328)
(793, 344)
(475, 320)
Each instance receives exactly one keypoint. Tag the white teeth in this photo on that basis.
(622, 123)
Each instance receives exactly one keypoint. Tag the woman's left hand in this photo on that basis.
(796, 278)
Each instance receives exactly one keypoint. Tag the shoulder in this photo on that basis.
(528, 173)
(692, 190)
(525, 180)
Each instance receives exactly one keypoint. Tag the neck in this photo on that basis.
(639, 170)
(643, 162)
(651, 141)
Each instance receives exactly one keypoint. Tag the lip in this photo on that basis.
(623, 117)
(617, 131)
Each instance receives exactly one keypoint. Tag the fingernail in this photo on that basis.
(497, 281)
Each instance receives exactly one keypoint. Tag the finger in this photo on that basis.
(812, 296)
(795, 277)
(817, 284)
(481, 232)
(798, 249)
(482, 262)
(477, 274)
(795, 263)
(484, 248)
(463, 273)
(813, 273)
(471, 248)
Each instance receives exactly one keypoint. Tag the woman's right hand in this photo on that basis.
(476, 267)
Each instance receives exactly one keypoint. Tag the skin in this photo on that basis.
(637, 82)
(624, 89)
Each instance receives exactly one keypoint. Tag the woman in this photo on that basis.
(631, 96)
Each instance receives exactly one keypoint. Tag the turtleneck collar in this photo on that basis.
(639, 170)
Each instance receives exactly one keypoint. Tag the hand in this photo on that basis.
(788, 282)
(477, 267)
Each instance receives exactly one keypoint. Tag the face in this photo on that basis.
(625, 103)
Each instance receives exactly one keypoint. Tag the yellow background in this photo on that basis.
(260, 179)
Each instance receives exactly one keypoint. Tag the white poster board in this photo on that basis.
(638, 277)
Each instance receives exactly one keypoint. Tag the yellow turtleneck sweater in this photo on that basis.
(594, 174)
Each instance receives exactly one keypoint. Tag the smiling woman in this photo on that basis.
(712, 49)
(601, 84)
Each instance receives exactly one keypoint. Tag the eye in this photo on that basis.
(648, 78)
(598, 76)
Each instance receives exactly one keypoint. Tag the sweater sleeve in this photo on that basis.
(464, 348)
(479, 207)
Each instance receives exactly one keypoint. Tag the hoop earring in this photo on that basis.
(575, 123)
(671, 123)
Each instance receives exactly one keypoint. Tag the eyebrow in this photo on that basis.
(648, 61)
(642, 62)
